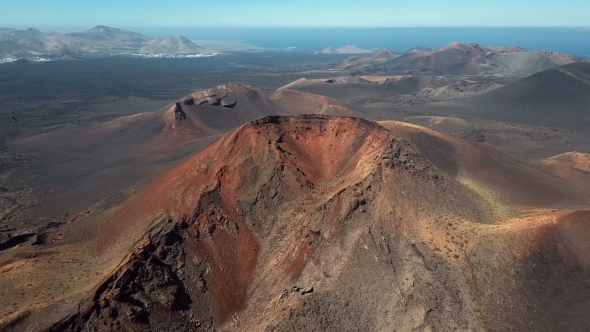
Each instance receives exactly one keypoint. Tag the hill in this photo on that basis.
(89, 163)
(376, 58)
(317, 223)
(573, 167)
(459, 89)
(100, 39)
(470, 59)
(172, 45)
(198, 116)
(349, 89)
(556, 98)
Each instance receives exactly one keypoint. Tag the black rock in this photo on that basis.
(179, 113)
(228, 104)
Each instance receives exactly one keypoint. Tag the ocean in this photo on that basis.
(569, 40)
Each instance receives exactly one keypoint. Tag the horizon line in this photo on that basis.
(311, 27)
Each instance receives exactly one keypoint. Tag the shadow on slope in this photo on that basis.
(556, 98)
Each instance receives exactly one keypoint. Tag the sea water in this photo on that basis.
(574, 41)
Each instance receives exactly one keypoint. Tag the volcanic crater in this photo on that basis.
(316, 222)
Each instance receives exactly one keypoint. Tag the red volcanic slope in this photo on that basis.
(317, 223)
(573, 167)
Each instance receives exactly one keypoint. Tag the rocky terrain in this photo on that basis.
(350, 88)
(100, 39)
(571, 166)
(458, 90)
(354, 88)
(575, 160)
(315, 222)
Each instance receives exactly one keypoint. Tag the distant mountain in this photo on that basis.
(100, 39)
(469, 59)
(103, 33)
(385, 54)
(347, 49)
(172, 45)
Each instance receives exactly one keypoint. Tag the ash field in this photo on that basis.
(271, 190)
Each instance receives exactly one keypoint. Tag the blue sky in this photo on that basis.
(64, 15)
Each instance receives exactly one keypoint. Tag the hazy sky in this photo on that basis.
(84, 14)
